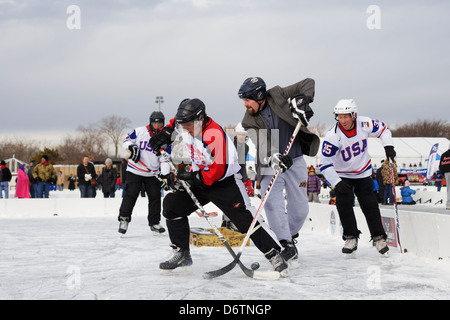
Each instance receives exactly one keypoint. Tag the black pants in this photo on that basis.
(133, 188)
(227, 197)
(363, 189)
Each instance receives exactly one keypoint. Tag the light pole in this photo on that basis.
(159, 100)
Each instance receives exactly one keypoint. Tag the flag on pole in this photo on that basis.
(431, 161)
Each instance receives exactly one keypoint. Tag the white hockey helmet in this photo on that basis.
(345, 106)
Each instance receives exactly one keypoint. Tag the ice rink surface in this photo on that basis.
(85, 258)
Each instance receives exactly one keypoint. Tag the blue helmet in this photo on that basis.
(253, 88)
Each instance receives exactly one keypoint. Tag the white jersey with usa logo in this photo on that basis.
(345, 153)
(149, 164)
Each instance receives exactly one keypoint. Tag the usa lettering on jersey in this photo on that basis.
(345, 154)
(149, 164)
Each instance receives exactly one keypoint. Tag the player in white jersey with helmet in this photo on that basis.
(142, 171)
(345, 162)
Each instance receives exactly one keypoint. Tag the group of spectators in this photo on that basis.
(37, 180)
(32, 183)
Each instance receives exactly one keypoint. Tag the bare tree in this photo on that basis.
(319, 129)
(91, 139)
(18, 147)
(423, 128)
(71, 150)
(114, 128)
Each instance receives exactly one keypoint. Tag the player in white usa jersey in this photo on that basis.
(345, 162)
(143, 167)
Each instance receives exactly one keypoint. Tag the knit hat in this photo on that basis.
(311, 169)
(407, 183)
(22, 166)
(3, 163)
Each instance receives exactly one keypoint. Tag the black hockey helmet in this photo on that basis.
(157, 116)
(190, 110)
(253, 88)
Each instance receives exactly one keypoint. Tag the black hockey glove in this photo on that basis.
(279, 161)
(390, 152)
(343, 187)
(194, 179)
(165, 182)
(135, 153)
(161, 140)
(300, 108)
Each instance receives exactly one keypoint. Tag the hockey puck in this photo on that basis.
(255, 266)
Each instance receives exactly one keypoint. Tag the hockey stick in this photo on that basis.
(397, 219)
(229, 267)
(153, 175)
(261, 275)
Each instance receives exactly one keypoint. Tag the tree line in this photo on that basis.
(90, 140)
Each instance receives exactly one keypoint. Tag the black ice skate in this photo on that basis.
(157, 229)
(351, 245)
(278, 262)
(123, 226)
(380, 243)
(180, 262)
(289, 253)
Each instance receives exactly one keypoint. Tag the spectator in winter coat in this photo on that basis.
(23, 183)
(108, 177)
(379, 178)
(85, 173)
(313, 185)
(5, 178)
(45, 175)
(406, 192)
(387, 181)
(438, 180)
(33, 183)
(72, 179)
(444, 168)
(60, 181)
(376, 187)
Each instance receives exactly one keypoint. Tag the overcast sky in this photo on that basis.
(125, 53)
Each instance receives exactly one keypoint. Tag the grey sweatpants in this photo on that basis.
(286, 218)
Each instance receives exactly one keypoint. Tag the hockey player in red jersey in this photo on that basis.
(214, 163)
(345, 162)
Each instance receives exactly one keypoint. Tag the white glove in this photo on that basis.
(87, 177)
